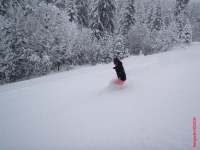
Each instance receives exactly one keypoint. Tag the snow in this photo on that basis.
(78, 109)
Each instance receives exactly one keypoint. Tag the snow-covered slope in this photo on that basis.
(75, 110)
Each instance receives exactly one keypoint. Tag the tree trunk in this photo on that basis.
(58, 64)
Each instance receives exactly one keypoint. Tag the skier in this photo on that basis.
(120, 72)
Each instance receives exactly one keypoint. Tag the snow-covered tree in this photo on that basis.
(155, 20)
(172, 29)
(4, 6)
(128, 17)
(106, 47)
(102, 16)
(167, 17)
(195, 20)
(82, 13)
(158, 20)
(120, 51)
(48, 1)
(72, 10)
(187, 32)
(61, 4)
(14, 41)
(182, 20)
(140, 12)
(138, 39)
(77, 11)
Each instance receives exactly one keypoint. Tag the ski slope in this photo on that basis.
(79, 110)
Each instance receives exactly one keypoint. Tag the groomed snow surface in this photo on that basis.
(81, 110)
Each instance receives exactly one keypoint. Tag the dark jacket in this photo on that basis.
(120, 71)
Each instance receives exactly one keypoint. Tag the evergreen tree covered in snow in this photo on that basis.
(4, 6)
(82, 12)
(14, 42)
(106, 48)
(140, 12)
(120, 50)
(158, 20)
(155, 20)
(138, 39)
(182, 21)
(48, 1)
(167, 17)
(102, 17)
(78, 12)
(72, 10)
(128, 17)
(195, 20)
(61, 4)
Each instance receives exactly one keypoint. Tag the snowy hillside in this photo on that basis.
(76, 110)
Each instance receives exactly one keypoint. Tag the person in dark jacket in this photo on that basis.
(120, 71)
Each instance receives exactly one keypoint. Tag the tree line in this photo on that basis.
(41, 36)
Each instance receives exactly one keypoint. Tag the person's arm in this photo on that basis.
(118, 72)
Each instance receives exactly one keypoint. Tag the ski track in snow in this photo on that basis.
(54, 83)
(80, 109)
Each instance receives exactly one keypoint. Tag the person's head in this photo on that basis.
(116, 61)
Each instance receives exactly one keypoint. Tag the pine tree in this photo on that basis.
(182, 20)
(140, 12)
(61, 4)
(195, 20)
(187, 32)
(138, 39)
(48, 1)
(158, 20)
(102, 17)
(72, 11)
(13, 43)
(167, 17)
(181, 6)
(128, 17)
(4, 6)
(120, 50)
(150, 17)
(154, 20)
(106, 49)
(82, 13)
